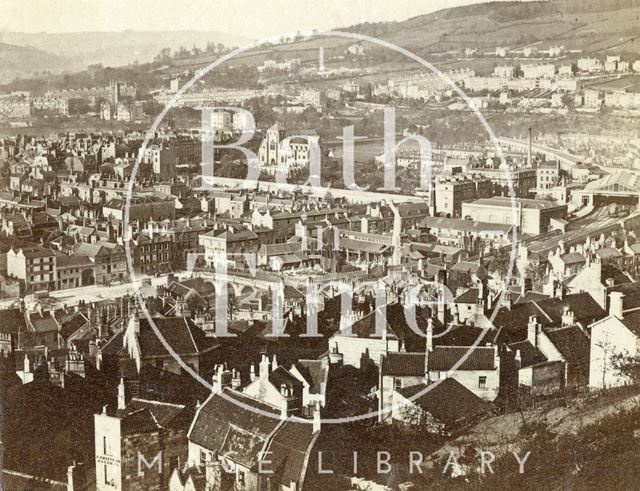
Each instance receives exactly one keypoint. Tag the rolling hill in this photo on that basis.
(73, 51)
(590, 25)
(593, 26)
(25, 60)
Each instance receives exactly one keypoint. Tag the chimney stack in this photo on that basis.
(76, 477)
(615, 304)
(430, 335)
(264, 368)
(121, 395)
(316, 417)
(221, 378)
(532, 330)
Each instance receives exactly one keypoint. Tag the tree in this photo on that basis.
(502, 261)
(627, 366)
(195, 303)
(233, 306)
(537, 273)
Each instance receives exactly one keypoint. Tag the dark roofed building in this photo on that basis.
(234, 429)
(443, 407)
(138, 344)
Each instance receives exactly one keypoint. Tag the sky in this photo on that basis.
(248, 18)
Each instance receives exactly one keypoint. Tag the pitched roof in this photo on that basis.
(586, 310)
(573, 258)
(443, 358)
(573, 344)
(632, 321)
(449, 402)
(468, 296)
(290, 449)
(403, 365)
(610, 271)
(608, 252)
(529, 354)
(315, 373)
(44, 322)
(139, 421)
(164, 414)
(221, 423)
(72, 324)
(180, 333)
(366, 326)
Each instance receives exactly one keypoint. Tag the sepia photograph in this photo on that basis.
(306, 245)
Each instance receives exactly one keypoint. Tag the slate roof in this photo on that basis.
(443, 358)
(281, 376)
(468, 296)
(449, 402)
(44, 322)
(573, 258)
(139, 421)
(315, 373)
(37, 252)
(608, 252)
(181, 334)
(164, 414)
(513, 322)
(529, 354)
(530, 296)
(610, 271)
(362, 245)
(366, 326)
(72, 324)
(632, 321)
(460, 335)
(586, 310)
(403, 364)
(222, 423)
(290, 449)
(574, 345)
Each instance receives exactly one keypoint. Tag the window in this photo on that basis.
(397, 383)
(203, 457)
(241, 478)
(482, 382)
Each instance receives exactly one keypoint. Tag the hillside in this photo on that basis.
(588, 442)
(25, 60)
(592, 25)
(79, 49)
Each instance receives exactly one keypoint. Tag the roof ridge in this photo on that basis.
(158, 402)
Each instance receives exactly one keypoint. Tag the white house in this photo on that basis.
(617, 334)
